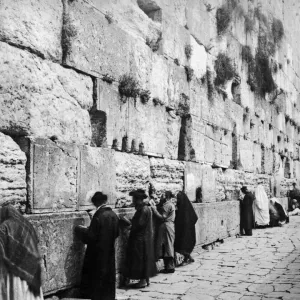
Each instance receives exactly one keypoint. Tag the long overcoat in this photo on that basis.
(99, 271)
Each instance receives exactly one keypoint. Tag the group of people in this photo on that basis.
(257, 211)
(156, 232)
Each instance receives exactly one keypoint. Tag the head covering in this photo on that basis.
(244, 189)
(99, 197)
(169, 194)
(19, 247)
(139, 194)
(186, 218)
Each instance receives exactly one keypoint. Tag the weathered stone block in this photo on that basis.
(97, 47)
(52, 174)
(246, 154)
(217, 221)
(34, 25)
(166, 175)
(192, 180)
(175, 38)
(62, 252)
(132, 172)
(198, 58)
(12, 171)
(43, 99)
(97, 173)
(208, 184)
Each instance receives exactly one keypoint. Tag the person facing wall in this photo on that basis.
(165, 212)
(246, 211)
(20, 269)
(99, 272)
(261, 207)
(185, 232)
(140, 261)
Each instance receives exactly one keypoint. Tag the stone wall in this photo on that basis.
(196, 122)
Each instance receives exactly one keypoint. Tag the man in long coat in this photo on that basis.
(140, 261)
(247, 219)
(166, 232)
(99, 271)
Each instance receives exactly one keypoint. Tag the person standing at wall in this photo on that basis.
(246, 211)
(165, 212)
(20, 269)
(140, 261)
(185, 232)
(261, 208)
(99, 272)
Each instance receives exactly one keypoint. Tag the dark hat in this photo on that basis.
(139, 193)
(99, 196)
(244, 189)
(169, 194)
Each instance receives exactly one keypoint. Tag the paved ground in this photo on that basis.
(264, 266)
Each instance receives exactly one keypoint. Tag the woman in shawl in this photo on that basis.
(261, 207)
(185, 233)
(278, 215)
(140, 260)
(20, 270)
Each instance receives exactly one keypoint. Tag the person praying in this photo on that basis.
(165, 212)
(20, 268)
(185, 232)
(246, 211)
(261, 207)
(140, 261)
(98, 280)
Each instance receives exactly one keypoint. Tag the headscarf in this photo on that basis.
(186, 218)
(19, 247)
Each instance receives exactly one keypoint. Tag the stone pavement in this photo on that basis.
(264, 266)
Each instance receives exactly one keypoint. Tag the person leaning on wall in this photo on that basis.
(20, 269)
(247, 220)
(99, 271)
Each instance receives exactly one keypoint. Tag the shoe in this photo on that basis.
(139, 285)
(168, 271)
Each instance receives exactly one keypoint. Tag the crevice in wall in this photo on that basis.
(151, 9)
(185, 148)
(98, 122)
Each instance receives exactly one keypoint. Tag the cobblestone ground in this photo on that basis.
(264, 266)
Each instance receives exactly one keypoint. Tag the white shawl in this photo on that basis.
(261, 206)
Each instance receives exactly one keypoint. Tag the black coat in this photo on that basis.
(99, 271)
(186, 218)
(247, 211)
(140, 260)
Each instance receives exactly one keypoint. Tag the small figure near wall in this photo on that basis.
(185, 232)
(99, 272)
(20, 269)
(165, 212)
(246, 211)
(140, 261)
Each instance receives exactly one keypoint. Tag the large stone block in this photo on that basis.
(63, 177)
(43, 99)
(97, 46)
(12, 171)
(34, 25)
(132, 172)
(246, 154)
(217, 221)
(192, 180)
(166, 175)
(97, 173)
(62, 252)
(198, 58)
(208, 184)
(52, 174)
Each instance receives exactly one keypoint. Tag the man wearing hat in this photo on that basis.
(246, 211)
(140, 261)
(99, 271)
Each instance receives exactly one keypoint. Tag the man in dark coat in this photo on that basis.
(247, 212)
(140, 261)
(99, 271)
(185, 233)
